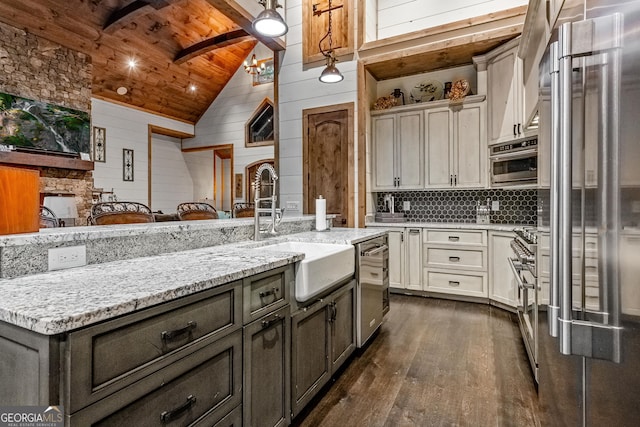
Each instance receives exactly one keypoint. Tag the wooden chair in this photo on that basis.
(48, 219)
(196, 210)
(120, 213)
(243, 210)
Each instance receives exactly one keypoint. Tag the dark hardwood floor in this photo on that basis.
(433, 363)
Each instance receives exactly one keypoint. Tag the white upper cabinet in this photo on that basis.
(456, 148)
(398, 149)
(505, 93)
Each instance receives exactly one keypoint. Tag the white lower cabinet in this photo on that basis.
(414, 258)
(396, 259)
(455, 262)
(502, 284)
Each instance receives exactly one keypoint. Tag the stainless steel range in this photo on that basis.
(523, 265)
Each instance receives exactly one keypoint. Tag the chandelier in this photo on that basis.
(253, 67)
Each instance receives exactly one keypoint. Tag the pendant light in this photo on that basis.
(330, 74)
(269, 22)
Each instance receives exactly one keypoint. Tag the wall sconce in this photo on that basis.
(269, 22)
(253, 68)
(330, 74)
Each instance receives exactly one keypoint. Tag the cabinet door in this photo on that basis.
(266, 370)
(343, 326)
(310, 367)
(384, 131)
(503, 96)
(410, 150)
(502, 284)
(414, 259)
(439, 153)
(396, 259)
(470, 150)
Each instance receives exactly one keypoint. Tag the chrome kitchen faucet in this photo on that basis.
(275, 213)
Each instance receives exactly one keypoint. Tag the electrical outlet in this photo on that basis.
(495, 205)
(635, 206)
(293, 206)
(406, 205)
(72, 256)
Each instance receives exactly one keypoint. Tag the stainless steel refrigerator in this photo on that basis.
(589, 327)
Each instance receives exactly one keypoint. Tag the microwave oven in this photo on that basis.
(514, 162)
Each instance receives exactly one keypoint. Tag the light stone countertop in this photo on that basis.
(448, 225)
(61, 301)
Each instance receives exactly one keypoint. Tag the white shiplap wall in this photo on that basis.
(300, 89)
(224, 121)
(127, 128)
(396, 17)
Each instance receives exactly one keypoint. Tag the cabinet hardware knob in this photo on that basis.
(273, 292)
(170, 335)
(266, 323)
(168, 416)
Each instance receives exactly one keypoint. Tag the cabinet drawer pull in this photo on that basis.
(514, 130)
(451, 180)
(170, 335)
(374, 274)
(454, 258)
(266, 323)
(454, 283)
(454, 238)
(168, 416)
(265, 294)
(414, 231)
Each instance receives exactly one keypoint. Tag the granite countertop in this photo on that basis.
(61, 301)
(448, 225)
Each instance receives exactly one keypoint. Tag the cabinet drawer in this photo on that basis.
(204, 386)
(461, 284)
(456, 258)
(456, 237)
(266, 292)
(109, 356)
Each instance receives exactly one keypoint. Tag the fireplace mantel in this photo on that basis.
(44, 160)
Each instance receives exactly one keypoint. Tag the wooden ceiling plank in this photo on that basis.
(209, 45)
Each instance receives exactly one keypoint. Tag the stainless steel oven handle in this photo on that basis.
(517, 267)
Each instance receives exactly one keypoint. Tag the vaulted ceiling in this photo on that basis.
(176, 44)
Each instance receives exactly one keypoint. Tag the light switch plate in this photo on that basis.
(406, 205)
(495, 205)
(71, 256)
(293, 205)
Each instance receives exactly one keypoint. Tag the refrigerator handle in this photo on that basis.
(601, 338)
(553, 310)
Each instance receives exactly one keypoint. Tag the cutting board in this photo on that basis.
(19, 200)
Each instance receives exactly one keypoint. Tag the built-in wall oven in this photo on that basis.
(515, 162)
(523, 265)
(373, 286)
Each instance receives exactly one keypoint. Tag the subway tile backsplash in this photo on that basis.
(515, 206)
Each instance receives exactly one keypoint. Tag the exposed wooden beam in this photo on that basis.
(217, 42)
(124, 16)
(232, 10)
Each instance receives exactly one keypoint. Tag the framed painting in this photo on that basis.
(267, 75)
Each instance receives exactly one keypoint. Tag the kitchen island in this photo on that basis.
(106, 340)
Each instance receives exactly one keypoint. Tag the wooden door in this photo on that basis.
(328, 161)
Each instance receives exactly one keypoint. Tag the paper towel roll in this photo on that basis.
(321, 213)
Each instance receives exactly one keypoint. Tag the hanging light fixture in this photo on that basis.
(269, 22)
(253, 68)
(330, 74)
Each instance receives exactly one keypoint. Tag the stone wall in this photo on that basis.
(64, 181)
(35, 68)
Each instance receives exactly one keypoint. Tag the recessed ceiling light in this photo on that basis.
(121, 90)
(132, 63)
(192, 88)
